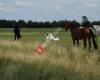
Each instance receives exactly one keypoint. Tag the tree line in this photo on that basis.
(30, 24)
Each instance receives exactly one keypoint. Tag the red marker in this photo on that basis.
(39, 50)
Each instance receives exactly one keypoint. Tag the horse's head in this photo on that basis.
(67, 25)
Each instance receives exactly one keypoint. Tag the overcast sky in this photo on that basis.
(49, 10)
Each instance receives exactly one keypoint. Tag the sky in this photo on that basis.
(49, 10)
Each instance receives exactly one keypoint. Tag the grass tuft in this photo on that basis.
(18, 61)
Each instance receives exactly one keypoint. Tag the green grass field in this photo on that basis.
(60, 61)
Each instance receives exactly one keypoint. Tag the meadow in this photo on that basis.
(60, 61)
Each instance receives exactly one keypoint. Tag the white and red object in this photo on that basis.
(39, 50)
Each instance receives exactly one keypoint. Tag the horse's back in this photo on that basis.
(80, 33)
(86, 32)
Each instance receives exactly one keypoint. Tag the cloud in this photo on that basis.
(64, 4)
(7, 9)
(3, 7)
(24, 3)
(49, 9)
(91, 3)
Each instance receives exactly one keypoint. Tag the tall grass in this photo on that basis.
(18, 61)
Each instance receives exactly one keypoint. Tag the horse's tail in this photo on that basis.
(93, 39)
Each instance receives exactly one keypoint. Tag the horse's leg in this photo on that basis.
(74, 42)
(78, 42)
(15, 36)
(84, 41)
(18, 37)
(89, 42)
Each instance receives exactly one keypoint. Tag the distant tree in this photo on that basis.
(61, 23)
(9, 24)
(35, 24)
(13, 23)
(54, 24)
(3, 24)
(96, 22)
(75, 23)
(40, 25)
(22, 23)
(47, 25)
(30, 24)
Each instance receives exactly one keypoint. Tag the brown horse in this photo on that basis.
(85, 34)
